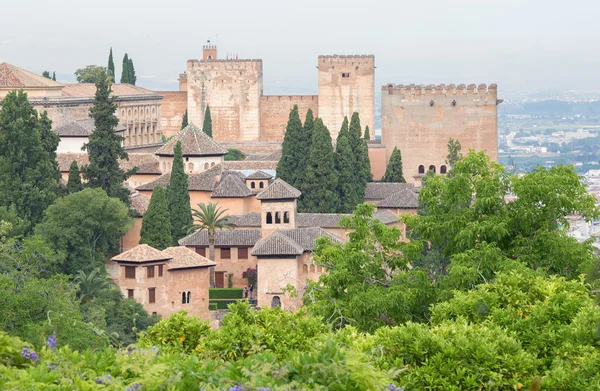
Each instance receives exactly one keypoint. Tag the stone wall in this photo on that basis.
(346, 85)
(275, 112)
(232, 89)
(174, 105)
(420, 120)
(378, 160)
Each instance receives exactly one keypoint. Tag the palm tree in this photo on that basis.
(92, 284)
(210, 218)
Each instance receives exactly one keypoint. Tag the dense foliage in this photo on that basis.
(207, 124)
(345, 164)
(91, 74)
(288, 166)
(178, 197)
(128, 71)
(74, 183)
(234, 155)
(156, 223)
(393, 172)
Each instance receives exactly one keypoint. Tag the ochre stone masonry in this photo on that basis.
(420, 120)
(275, 112)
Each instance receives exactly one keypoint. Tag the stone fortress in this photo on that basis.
(417, 119)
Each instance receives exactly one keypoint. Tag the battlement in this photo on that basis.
(301, 98)
(209, 47)
(336, 56)
(439, 90)
(228, 61)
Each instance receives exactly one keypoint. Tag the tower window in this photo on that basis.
(286, 217)
(432, 168)
(442, 169)
(253, 185)
(269, 218)
(421, 169)
(151, 295)
(277, 218)
(345, 74)
(261, 185)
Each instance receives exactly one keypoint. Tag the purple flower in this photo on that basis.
(133, 387)
(392, 387)
(51, 342)
(98, 381)
(237, 388)
(52, 367)
(29, 354)
(263, 389)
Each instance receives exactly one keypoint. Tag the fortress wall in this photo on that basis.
(275, 112)
(420, 120)
(233, 89)
(172, 110)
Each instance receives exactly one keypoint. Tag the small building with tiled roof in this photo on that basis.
(231, 187)
(74, 135)
(36, 86)
(258, 181)
(166, 281)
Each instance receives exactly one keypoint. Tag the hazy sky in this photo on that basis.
(518, 44)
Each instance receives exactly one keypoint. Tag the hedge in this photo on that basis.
(212, 306)
(225, 293)
(221, 304)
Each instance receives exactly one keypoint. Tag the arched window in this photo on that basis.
(305, 268)
(275, 302)
(421, 169)
(312, 268)
(286, 217)
(432, 168)
(212, 164)
(261, 185)
(189, 297)
(183, 297)
(191, 167)
(269, 218)
(206, 166)
(390, 89)
(277, 217)
(253, 185)
(442, 169)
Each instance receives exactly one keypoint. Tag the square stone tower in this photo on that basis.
(346, 85)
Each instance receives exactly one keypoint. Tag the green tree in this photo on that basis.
(50, 141)
(287, 168)
(454, 154)
(361, 153)
(125, 71)
(303, 148)
(46, 74)
(105, 147)
(210, 217)
(184, 121)
(85, 228)
(156, 223)
(74, 183)
(132, 77)
(320, 185)
(91, 74)
(178, 197)
(393, 172)
(54, 76)
(92, 284)
(207, 125)
(367, 135)
(111, 66)
(234, 155)
(27, 170)
(345, 165)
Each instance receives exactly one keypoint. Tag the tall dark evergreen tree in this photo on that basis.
(367, 135)
(27, 171)
(105, 146)
(361, 153)
(111, 66)
(320, 186)
(287, 168)
(303, 148)
(74, 183)
(355, 132)
(178, 197)
(125, 71)
(132, 77)
(345, 163)
(207, 125)
(50, 142)
(156, 224)
(184, 121)
(46, 74)
(54, 76)
(393, 172)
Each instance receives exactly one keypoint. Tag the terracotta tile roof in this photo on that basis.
(231, 187)
(259, 175)
(224, 238)
(250, 165)
(279, 190)
(381, 190)
(146, 162)
(141, 253)
(81, 128)
(184, 258)
(272, 157)
(327, 220)
(204, 181)
(194, 142)
(88, 90)
(12, 76)
(291, 241)
(251, 219)
(139, 202)
(404, 199)
(386, 217)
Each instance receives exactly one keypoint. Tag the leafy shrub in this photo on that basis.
(234, 154)
(212, 306)
(221, 304)
(178, 330)
(225, 293)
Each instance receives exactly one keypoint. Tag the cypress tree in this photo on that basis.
(393, 172)
(184, 121)
(125, 77)
(287, 168)
(345, 164)
(207, 125)
(27, 172)
(344, 128)
(355, 132)
(156, 224)
(320, 185)
(50, 142)
(54, 76)
(74, 183)
(361, 153)
(132, 77)
(46, 74)
(111, 65)
(178, 198)
(303, 148)
(105, 146)
(367, 133)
